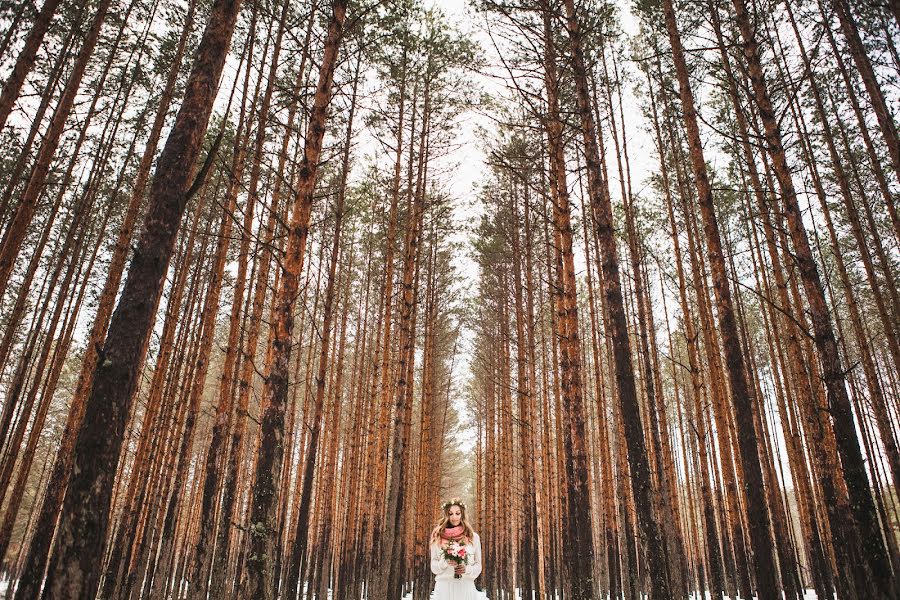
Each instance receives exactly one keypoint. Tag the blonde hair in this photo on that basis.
(468, 533)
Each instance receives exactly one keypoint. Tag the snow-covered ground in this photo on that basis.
(809, 595)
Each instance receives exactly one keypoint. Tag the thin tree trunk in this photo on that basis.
(261, 577)
(867, 72)
(641, 483)
(27, 55)
(301, 533)
(879, 578)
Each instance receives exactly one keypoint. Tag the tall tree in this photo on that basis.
(73, 570)
(601, 208)
(260, 568)
(754, 491)
(579, 549)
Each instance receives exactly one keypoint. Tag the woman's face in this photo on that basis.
(455, 515)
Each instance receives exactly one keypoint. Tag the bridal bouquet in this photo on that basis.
(454, 552)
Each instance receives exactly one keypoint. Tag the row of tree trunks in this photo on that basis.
(701, 419)
(261, 578)
(757, 511)
(73, 570)
(752, 493)
(18, 225)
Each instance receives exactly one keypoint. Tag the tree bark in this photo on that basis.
(879, 581)
(301, 533)
(74, 571)
(263, 520)
(578, 545)
(38, 550)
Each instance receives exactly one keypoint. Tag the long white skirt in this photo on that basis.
(456, 589)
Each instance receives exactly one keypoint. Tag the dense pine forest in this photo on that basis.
(279, 278)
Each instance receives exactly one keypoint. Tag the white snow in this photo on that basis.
(809, 595)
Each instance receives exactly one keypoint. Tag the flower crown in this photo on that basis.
(456, 501)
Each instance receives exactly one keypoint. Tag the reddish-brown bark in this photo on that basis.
(263, 520)
(74, 570)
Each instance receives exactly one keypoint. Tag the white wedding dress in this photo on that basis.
(446, 587)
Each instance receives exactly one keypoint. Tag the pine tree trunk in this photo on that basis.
(862, 505)
(867, 72)
(301, 539)
(27, 55)
(617, 328)
(874, 160)
(261, 577)
(863, 247)
(579, 545)
(199, 572)
(802, 386)
(74, 572)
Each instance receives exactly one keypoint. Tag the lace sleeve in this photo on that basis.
(474, 570)
(438, 564)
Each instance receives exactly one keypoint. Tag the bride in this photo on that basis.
(453, 526)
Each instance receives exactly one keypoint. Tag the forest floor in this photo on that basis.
(809, 595)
